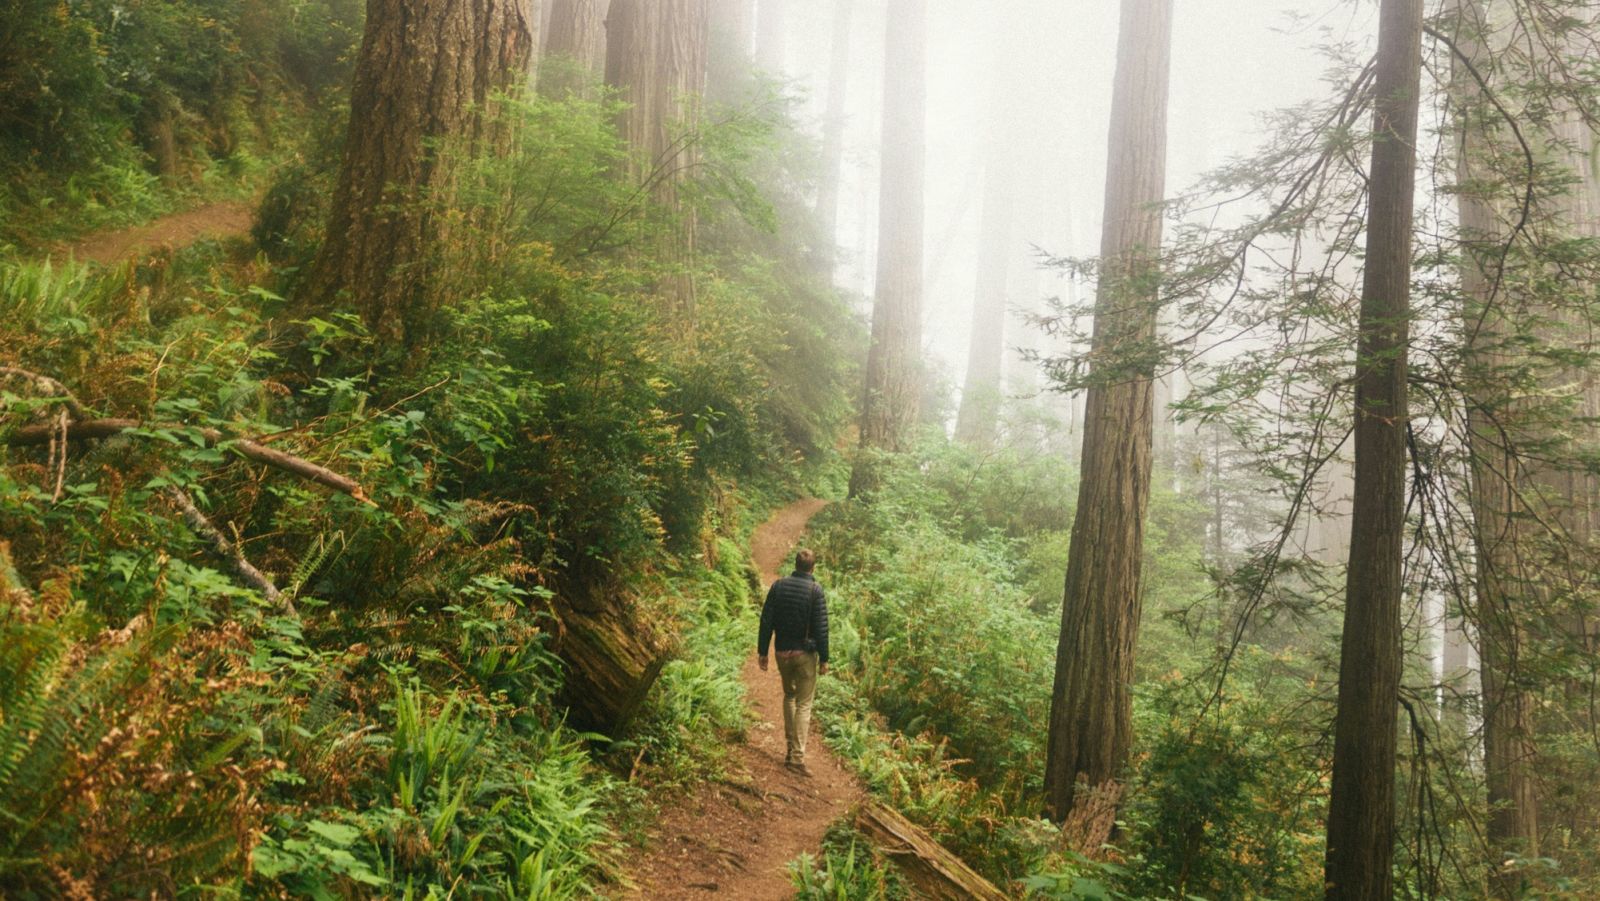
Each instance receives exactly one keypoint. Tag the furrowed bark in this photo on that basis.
(1361, 821)
(1499, 531)
(424, 72)
(1091, 708)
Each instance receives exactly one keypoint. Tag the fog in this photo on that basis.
(1050, 63)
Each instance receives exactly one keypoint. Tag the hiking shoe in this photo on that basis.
(798, 767)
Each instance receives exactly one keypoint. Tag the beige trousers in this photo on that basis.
(799, 686)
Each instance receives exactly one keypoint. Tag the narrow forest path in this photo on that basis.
(214, 220)
(734, 838)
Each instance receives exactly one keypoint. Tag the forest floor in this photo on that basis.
(734, 837)
(214, 220)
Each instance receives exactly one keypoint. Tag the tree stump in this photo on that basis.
(612, 661)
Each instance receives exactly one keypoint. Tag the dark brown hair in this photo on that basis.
(806, 560)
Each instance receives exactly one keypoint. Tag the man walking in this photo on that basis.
(797, 614)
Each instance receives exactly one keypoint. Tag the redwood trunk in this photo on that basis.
(656, 59)
(1499, 537)
(577, 34)
(893, 377)
(632, 27)
(978, 417)
(424, 70)
(1361, 807)
(833, 138)
(1091, 708)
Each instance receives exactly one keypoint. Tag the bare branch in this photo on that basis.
(252, 450)
(48, 387)
(228, 550)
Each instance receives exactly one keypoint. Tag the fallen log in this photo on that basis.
(931, 870)
(251, 450)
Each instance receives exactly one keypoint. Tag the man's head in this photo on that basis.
(805, 560)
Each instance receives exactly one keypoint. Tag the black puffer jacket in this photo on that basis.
(792, 602)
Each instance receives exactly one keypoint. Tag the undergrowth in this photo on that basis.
(946, 598)
(392, 719)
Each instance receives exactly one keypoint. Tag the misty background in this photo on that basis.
(1029, 82)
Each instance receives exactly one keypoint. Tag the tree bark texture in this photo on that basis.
(833, 138)
(893, 377)
(424, 71)
(1361, 808)
(632, 27)
(1501, 579)
(612, 660)
(927, 865)
(577, 33)
(1569, 487)
(656, 59)
(1091, 708)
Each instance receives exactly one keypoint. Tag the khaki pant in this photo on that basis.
(799, 674)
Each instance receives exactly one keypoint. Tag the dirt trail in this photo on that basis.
(733, 838)
(216, 220)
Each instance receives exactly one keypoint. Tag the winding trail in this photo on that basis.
(215, 220)
(735, 837)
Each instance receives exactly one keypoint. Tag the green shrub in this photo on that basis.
(848, 871)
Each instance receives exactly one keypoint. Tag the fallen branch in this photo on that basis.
(48, 387)
(930, 868)
(252, 450)
(228, 550)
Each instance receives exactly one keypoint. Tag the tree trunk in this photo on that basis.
(1501, 584)
(577, 35)
(423, 72)
(1091, 709)
(833, 139)
(978, 417)
(632, 27)
(656, 59)
(1563, 482)
(893, 376)
(1361, 807)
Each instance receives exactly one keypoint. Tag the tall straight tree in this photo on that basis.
(424, 71)
(633, 28)
(893, 383)
(1361, 807)
(1499, 529)
(978, 417)
(833, 137)
(1091, 709)
(656, 59)
(576, 33)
